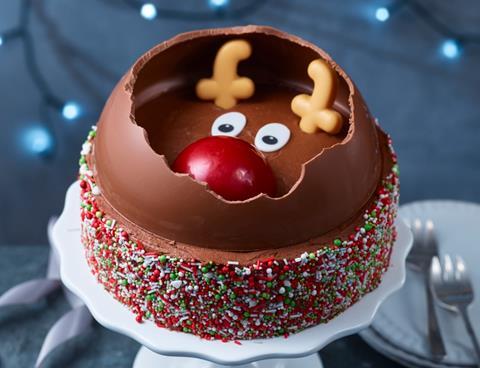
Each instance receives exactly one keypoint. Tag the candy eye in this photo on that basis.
(272, 137)
(231, 124)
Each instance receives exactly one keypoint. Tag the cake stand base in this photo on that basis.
(188, 351)
(147, 359)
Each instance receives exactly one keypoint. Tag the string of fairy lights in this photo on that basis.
(40, 140)
(453, 42)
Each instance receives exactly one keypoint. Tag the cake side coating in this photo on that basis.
(229, 301)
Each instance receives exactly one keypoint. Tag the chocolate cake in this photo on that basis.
(237, 187)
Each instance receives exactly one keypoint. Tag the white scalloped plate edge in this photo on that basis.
(110, 313)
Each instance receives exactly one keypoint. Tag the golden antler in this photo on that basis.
(315, 110)
(225, 86)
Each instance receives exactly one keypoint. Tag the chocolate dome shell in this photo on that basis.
(138, 183)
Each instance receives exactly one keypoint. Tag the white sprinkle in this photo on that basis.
(86, 148)
(281, 290)
(232, 262)
(269, 270)
(83, 169)
(96, 190)
(287, 283)
(176, 283)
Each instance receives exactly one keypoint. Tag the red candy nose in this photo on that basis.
(231, 167)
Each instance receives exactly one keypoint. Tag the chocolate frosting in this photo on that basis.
(322, 187)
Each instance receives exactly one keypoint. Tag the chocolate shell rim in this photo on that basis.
(140, 63)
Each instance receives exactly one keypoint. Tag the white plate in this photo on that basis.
(107, 311)
(399, 329)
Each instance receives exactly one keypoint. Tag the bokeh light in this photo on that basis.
(382, 14)
(450, 49)
(71, 110)
(38, 141)
(148, 11)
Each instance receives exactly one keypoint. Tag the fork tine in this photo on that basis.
(462, 273)
(429, 233)
(417, 231)
(435, 271)
(448, 271)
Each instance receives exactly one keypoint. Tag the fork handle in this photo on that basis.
(471, 332)
(437, 347)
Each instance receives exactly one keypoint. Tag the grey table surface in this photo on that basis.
(427, 103)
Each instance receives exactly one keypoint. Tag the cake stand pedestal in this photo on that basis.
(165, 348)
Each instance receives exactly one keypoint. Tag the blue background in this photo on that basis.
(429, 104)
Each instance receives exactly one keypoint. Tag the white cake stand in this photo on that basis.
(164, 348)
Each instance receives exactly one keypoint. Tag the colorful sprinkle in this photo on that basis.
(272, 297)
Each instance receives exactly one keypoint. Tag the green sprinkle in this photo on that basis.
(221, 277)
(109, 222)
(395, 169)
(269, 284)
(287, 301)
(204, 269)
(337, 242)
(368, 226)
(282, 277)
(124, 282)
(265, 295)
(150, 297)
(82, 160)
(311, 255)
(173, 276)
(246, 314)
(217, 296)
(162, 258)
(232, 296)
(99, 214)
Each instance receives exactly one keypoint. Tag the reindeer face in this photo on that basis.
(267, 119)
(154, 114)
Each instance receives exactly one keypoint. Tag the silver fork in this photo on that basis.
(423, 250)
(452, 286)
